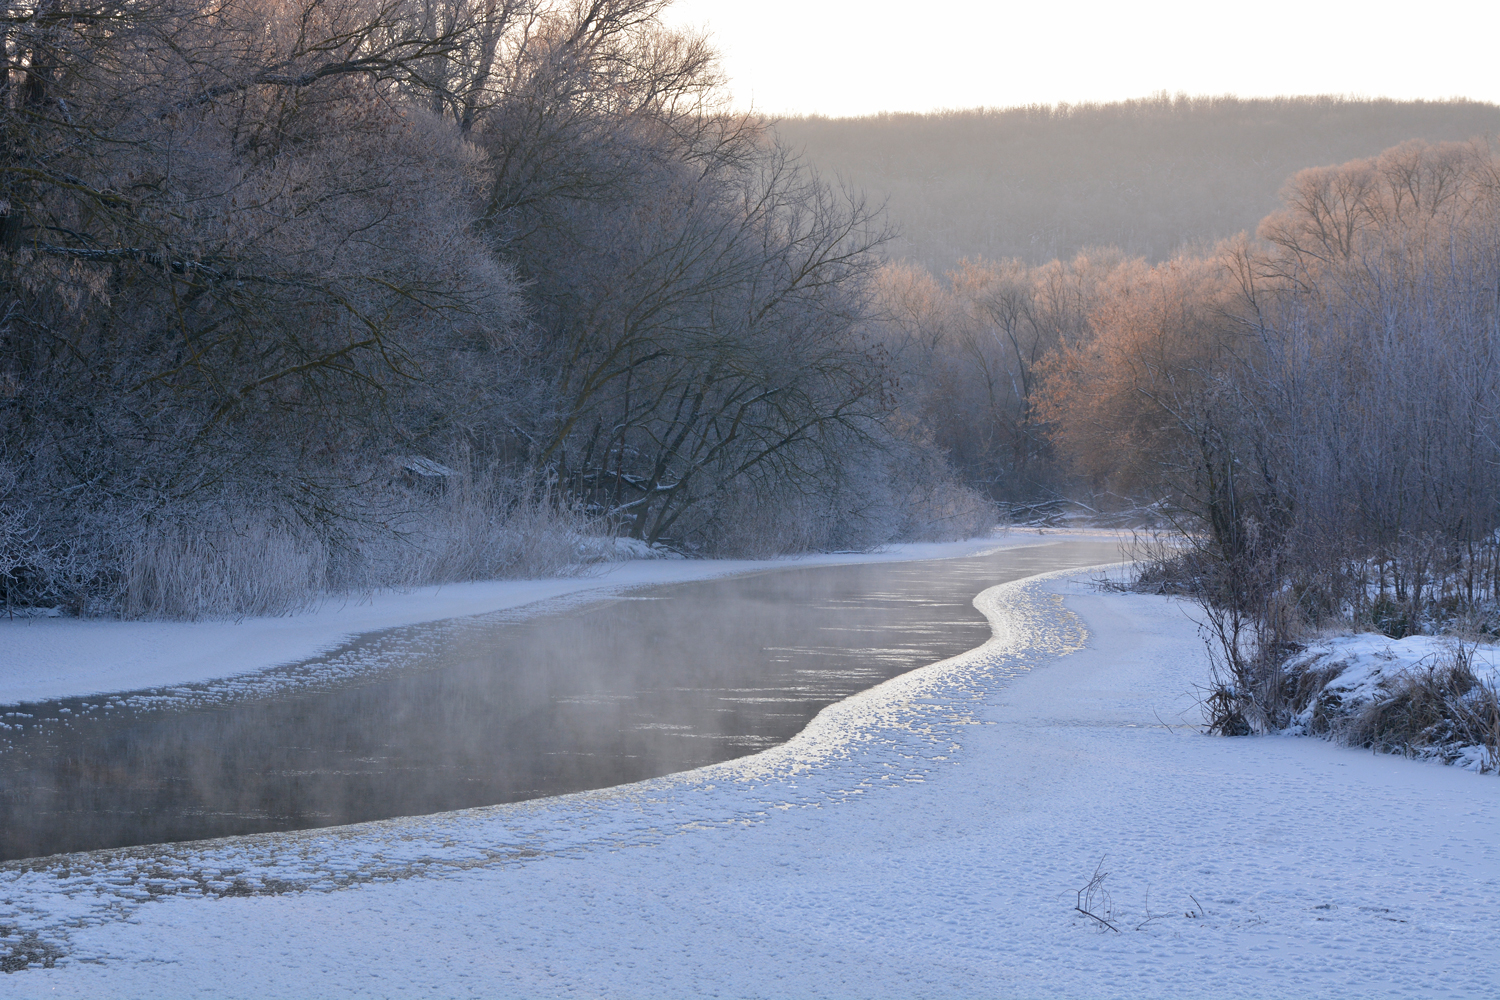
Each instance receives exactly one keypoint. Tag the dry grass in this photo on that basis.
(485, 531)
(197, 571)
(234, 558)
(1440, 710)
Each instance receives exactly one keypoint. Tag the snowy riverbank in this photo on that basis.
(924, 838)
(1354, 675)
(44, 658)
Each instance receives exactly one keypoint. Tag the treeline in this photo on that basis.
(349, 293)
(1313, 411)
(344, 293)
(1150, 176)
(1323, 400)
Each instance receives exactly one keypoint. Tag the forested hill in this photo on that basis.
(1148, 175)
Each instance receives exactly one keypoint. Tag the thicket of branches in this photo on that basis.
(339, 293)
(971, 351)
(1312, 413)
(343, 293)
(1316, 408)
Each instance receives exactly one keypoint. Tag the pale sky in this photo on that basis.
(841, 58)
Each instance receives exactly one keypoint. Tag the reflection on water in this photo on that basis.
(647, 684)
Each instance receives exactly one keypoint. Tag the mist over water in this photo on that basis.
(659, 680)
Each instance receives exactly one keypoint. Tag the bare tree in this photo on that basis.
(232, 254)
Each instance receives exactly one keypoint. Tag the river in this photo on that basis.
(491, 709)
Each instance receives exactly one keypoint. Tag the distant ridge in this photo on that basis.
(1147, 175)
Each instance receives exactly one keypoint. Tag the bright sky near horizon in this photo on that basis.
(836, 57)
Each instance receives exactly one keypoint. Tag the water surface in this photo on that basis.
(487, 710)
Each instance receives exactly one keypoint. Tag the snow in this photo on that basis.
(47, 658)
(1360, 662)
(1364, 667)
(926, 837)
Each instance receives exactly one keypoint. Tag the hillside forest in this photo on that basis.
(1152, 177)
(325, 295)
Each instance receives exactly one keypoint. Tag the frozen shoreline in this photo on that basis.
(923, 838)
(48, 658)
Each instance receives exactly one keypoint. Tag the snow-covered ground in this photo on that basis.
(924, 838)
(45, 658)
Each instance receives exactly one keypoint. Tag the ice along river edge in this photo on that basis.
(896, 732)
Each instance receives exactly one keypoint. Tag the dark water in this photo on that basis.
(663, 680)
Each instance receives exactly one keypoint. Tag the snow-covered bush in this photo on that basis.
(1419, 696)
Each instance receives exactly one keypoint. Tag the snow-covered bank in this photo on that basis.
(1352, 675)
(923, 838)
(1358, 663)
(45, 658)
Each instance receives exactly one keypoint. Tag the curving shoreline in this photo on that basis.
(55, 658)
(926, 836)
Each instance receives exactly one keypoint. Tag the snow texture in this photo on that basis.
(924, 838)
(1359, 663)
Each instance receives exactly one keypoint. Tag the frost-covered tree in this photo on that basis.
(354, 292)
(238, 272)
(1318, 406)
